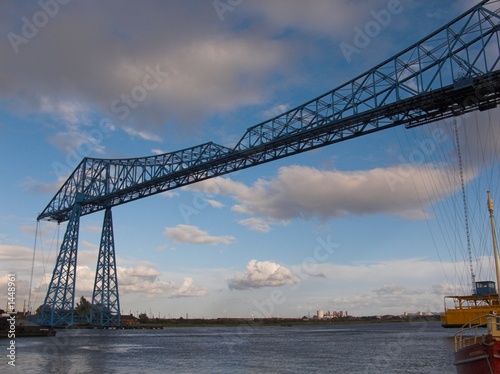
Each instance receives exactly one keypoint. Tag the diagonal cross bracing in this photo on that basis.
(58, 306)
(105, 310)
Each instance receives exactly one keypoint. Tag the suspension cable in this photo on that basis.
(466, 211)
(32, 267)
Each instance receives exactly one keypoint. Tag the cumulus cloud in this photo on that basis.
(194, 235)
(85, 280)
(260, 274)
(188, 289)
(142, 279)
(306, 192)
(138, 275)
(146, 280)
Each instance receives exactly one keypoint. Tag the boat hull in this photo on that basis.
(23, 328)
(479, 358)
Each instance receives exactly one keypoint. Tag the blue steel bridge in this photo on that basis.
(454, 70)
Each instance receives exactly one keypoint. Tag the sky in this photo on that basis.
(371, 226)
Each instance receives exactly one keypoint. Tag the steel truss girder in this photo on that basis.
(105, 310)
(436, 105)
(453, 52)
(430, 80)
(58, 307)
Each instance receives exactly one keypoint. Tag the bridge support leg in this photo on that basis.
(105, 310)
(58, 307)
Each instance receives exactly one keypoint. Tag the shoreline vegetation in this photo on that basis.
(159, 323)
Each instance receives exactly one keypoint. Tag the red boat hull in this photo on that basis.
(479, 358)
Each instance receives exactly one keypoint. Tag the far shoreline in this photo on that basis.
(159, 323)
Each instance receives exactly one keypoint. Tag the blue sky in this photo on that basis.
(373, 225)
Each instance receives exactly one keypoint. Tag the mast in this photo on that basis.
(493, 234)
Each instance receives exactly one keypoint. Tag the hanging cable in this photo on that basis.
(466, 213)
(45, 260)
(32, 267)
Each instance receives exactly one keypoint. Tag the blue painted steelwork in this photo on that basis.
(105, 300)
(456, 52)
(453, 71)
(58, 307)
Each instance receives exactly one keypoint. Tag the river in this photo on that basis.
(352, 348)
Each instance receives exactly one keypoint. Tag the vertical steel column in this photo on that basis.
(105, 299)
(58, 307)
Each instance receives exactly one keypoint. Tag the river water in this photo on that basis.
(354, 348)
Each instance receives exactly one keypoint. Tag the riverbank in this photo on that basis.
(286, 322)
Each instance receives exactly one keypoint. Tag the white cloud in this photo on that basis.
(276, 110)
(188, 289)
(138, 275)
(145, 135)
(170, 194)
(76, 143)
(193, 235)
(260, 274)
(146, 280)
(306, 193)
(384, 287)
(85, 280)
(73, 139)
(443, 289)
(156, 151)
(256, 224)
(215, 203)
(71, 112)
(142, 279)
(415, 269)
(394, 286)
